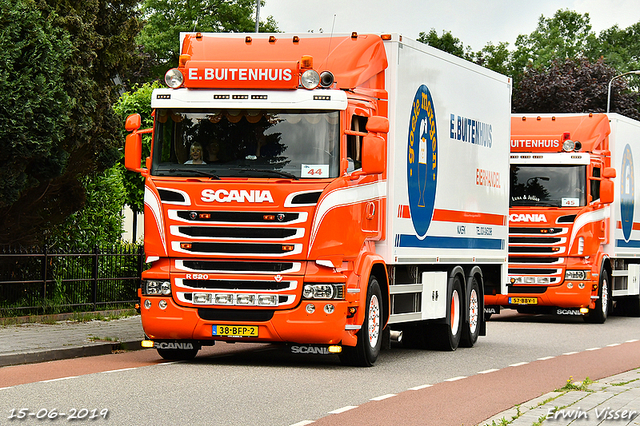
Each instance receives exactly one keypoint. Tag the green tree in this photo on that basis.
(34, 107)
(620, 48)
(495, 57)
(567, 35)
(447, 43)
(99, 222)
(165, 19)
(91, 43)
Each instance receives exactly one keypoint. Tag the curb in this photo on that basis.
(67, 353)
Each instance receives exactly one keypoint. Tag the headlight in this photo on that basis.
(323, 291)
(580, 275)
(310, 79)
(157, 288)
(174, 78)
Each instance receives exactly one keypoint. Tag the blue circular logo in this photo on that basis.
(626, 193)
(422, 161)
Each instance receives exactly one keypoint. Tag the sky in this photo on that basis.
(474, 22)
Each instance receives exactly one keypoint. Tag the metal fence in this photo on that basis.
(45, 281)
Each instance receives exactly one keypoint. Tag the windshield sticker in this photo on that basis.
(314, 171)
(570, 202)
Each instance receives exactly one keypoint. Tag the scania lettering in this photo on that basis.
(537, 218)
(176, 345)
(574, 231)
(310, 350)
(322, 192)
(224, 196)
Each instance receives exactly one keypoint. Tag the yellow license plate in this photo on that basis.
(235, 330)
(523, 300)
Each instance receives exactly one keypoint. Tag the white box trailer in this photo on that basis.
(623, 241)
(448, 171)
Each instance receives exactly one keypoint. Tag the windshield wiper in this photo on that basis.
(198, 172)
(276, 172)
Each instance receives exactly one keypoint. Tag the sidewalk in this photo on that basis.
(33, 342)
(613, 400)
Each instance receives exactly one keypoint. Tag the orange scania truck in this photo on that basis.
(574, 232)
(325, 192)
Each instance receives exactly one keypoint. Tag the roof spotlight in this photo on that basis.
(326, 78)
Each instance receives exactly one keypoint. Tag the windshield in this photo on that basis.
(247, 143)
(548, 186)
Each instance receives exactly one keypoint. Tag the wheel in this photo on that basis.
(603, 304)
(447, 336)
(471, 327)
(177, 354)
(366, 351)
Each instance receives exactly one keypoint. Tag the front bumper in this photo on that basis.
(292, 325)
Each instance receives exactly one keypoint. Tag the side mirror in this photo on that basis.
(606, 191)
(378, 124)
(373, 154)
(133, 152)
(133, 144)
(133, 122)
(609, 172)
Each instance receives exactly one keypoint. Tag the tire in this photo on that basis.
(366, 351)
(603, 304)
(471, 326)
(447, 336)
(177, 354)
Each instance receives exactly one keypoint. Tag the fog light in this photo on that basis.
(163, 304)
(202, 298)
(246, 299)
(328, 309)
(268, 299)
(581, 286)
(224, 299)
(569, 285)
(335, 349)
(584, 310)
(146, 343)
(310, 308)
(147, 304)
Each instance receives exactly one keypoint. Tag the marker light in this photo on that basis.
(174, 78)
(310, 79)
(146, 343)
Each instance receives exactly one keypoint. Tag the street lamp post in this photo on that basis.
(257, 16)
(611, 81)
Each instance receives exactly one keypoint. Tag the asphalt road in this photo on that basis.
(262, 385)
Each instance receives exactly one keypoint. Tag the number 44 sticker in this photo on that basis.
(315, 171)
